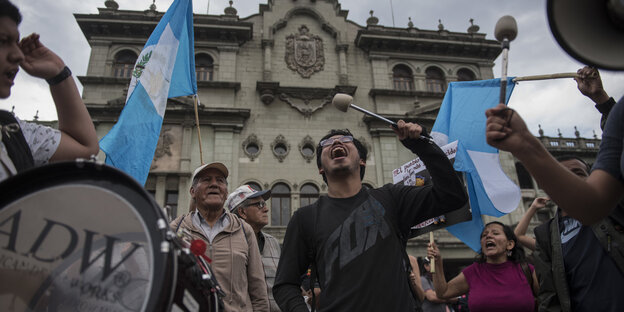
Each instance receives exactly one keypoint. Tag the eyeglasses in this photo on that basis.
(330, 141)
(260, 204)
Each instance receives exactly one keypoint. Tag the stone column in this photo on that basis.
(267, 46)
(379, 65)
(184, 182)
(227, 63)
(343, 75)
(161, 189)
(224, 151)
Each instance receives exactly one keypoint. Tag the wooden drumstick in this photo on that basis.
(432, 260)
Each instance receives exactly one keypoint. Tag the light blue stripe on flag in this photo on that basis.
(164, 69)
(462, 118)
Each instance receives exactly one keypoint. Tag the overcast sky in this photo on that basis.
(555, 104)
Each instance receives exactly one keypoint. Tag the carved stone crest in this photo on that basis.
(304, 52)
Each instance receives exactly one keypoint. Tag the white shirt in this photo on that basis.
(43, 142)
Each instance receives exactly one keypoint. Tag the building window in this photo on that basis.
(280, 148)
(204, 67)
(554, 143)
(524, 178)
(435, 80)
(590, 144)
(124, 63)
(171, 200)
(280, 204)
(570, 144)
(402, 78)
(309, 194)
(465, 75)
(306, 147)
(252, 146)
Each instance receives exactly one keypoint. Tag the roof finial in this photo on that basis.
(576, 132)
(540, 131)
(372, 20)
(111, 4)
(440, 26)
(230, 10)
(473, 28)
(410, 24)
(36, 117)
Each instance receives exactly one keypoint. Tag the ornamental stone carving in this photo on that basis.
(304, 52)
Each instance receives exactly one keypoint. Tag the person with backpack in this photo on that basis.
(580, 267)
(355, 237)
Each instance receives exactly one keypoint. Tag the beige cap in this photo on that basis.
(215, 165)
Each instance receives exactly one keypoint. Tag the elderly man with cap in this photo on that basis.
(250, 206)
(231, 244)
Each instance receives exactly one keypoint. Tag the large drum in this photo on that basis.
(81, 236)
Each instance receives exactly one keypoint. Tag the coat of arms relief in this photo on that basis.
(304, 52)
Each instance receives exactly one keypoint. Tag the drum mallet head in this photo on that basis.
(506, 28)
(343, 101)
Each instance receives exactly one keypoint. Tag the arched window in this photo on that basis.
(309, 194)
(402, 78)
(465, 75)
(435, 80)
(254, 186)
(524, 178)
(124, 63)
(280, 204)
(204, 67)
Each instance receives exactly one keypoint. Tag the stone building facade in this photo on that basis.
(265, 84)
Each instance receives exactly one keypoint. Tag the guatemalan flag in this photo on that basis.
(165, 69)
(462, 118)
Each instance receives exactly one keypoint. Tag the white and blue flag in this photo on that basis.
(462, 118)
(164, 69)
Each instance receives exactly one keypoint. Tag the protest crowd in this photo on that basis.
(347, 250)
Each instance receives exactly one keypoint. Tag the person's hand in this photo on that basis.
(590, 84)
(39, 61)
(505, 129)
(433, 252)
(539, 203)
(407, 130)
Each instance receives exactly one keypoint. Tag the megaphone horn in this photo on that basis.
(590, 31)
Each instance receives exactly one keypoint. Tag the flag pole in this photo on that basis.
(432, 264)
(201, 153)
(544, 77)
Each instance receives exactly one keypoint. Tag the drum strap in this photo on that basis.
(15, 143)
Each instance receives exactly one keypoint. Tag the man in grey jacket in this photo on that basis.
(250, 206)
(231, 244)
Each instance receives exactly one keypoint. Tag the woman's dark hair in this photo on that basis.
(362, 151)
(517, 253)
(10, 10)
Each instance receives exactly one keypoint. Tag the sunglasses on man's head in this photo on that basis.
(330, 141)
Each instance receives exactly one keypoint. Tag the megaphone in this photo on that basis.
(591, 31)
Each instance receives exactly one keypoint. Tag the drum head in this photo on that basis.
(81, 237)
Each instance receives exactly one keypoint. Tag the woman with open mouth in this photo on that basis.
(500, 279)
